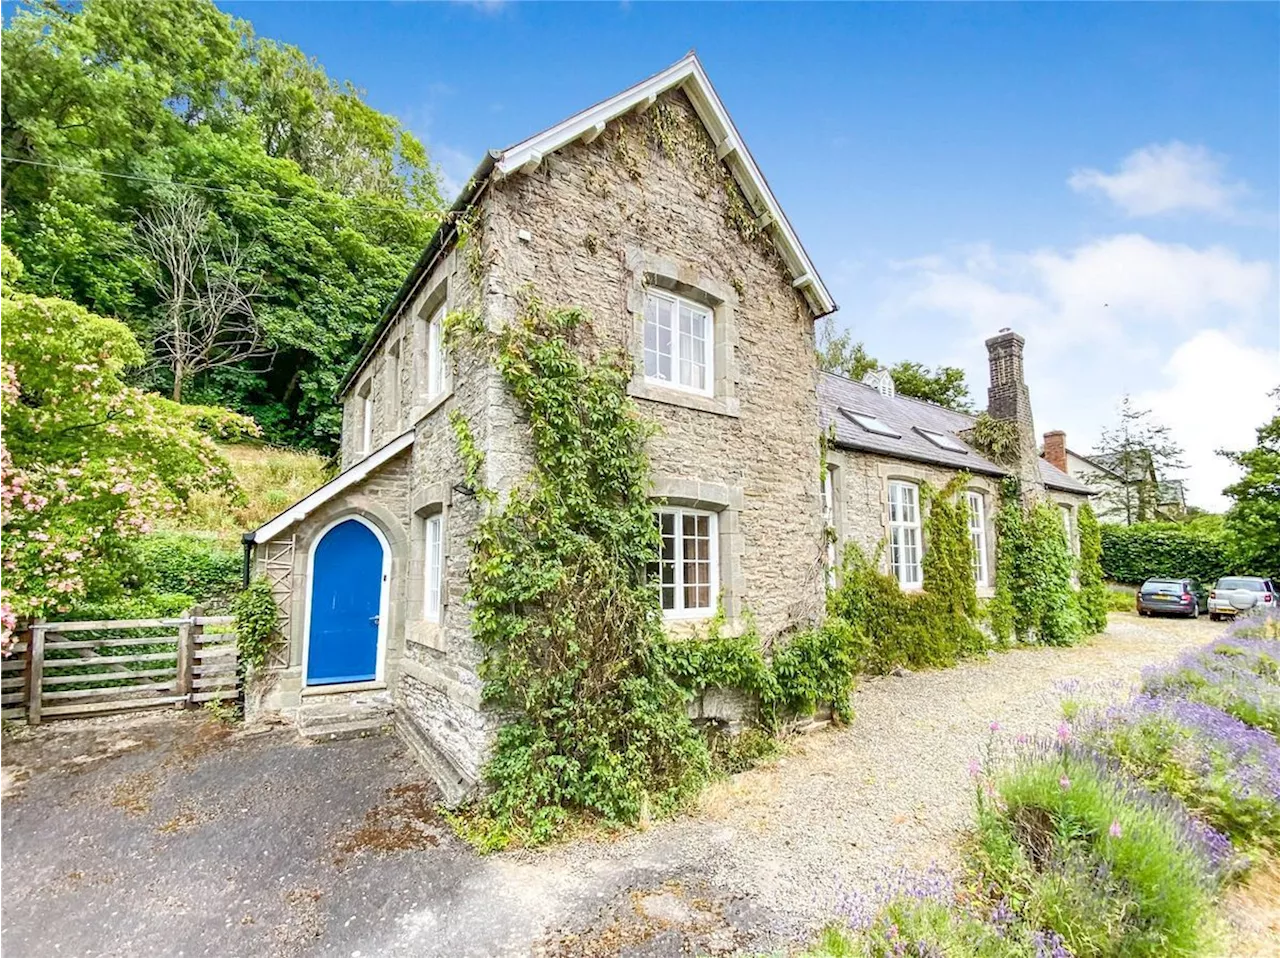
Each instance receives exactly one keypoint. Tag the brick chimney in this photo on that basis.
(1009, 399)
(1055, 449)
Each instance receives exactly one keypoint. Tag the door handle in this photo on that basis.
(375, 619)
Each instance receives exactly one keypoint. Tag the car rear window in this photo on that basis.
(1253, 585)
(1162, 585)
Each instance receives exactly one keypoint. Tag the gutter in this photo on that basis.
(446, 231)
(247, 540)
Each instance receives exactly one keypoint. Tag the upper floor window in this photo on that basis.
(366, 420)
(687, 568)
(678, 342)
(829, 519)
(978, 536)
(432, 568)
(904, 534)
(435, 354)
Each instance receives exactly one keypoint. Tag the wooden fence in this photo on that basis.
(77, 669)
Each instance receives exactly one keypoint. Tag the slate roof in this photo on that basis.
(908, 417)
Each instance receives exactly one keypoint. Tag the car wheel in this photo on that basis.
(1195, 611)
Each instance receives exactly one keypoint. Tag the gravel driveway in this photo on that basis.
(163, 836)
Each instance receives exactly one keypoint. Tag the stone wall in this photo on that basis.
(861, 483)
(591, 227)
(381, 499)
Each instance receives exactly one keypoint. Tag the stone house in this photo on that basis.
(886, 447)
(648, 212)
(1120, 498)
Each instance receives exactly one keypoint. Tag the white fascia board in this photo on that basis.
(338, 484)
(686, 73)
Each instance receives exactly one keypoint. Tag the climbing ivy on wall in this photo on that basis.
(1093, 591)
(1035, 598)
(997, 439)
(948, 558)
(571, 633)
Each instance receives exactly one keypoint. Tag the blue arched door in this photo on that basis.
(346, 599)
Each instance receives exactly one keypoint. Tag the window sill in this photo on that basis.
(431, 405)
(639, 388)
(428, 634)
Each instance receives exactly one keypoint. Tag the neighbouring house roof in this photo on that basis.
(912, 420)
(338, 484)
(686, 74)
(1095, 464)
(1170, 492)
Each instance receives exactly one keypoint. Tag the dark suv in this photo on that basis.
(1175, 596)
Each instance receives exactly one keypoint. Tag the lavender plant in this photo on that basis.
(1225, 771)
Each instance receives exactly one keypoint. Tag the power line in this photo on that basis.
(200, 186)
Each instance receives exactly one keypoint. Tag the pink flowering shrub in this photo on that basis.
(87, 461)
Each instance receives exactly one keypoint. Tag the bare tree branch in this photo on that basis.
(206, 292)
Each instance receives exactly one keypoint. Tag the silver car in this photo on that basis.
(1235, 594)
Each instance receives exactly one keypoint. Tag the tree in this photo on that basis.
(111, 106)
(837, 353)
(945, 386)
(1138, 454)
(1253, 521)
(206, 295)
(1093, 590)
(87, 461)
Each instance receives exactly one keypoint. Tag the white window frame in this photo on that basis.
(435, 354)
(978, 537)
(829, 520)
(680, 611)
(366, 422)
(905, 534)
(652, 295)
(1066, 525)
(432, 566)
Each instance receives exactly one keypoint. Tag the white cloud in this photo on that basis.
(455, 167)
(1214, 396)
(1165, 178)
(1190, 332)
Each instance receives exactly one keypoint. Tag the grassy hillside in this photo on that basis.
(270, 479)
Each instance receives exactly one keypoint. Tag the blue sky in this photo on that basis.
(952, 169)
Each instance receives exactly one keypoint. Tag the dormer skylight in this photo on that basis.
(870, 423)
(943, 441)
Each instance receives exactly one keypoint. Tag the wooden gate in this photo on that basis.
(77, 669)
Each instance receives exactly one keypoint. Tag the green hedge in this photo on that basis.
(197, 564)
(1135, 553)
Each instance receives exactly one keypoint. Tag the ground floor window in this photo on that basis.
(978, 536)
(687, 569)
(432, 568)
(904, 534)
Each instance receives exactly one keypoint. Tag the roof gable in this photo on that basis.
(525, 157)
(688, 75)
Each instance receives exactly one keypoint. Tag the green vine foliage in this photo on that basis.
(571, 633)
(997, 439)
(816, 666)
(948, 560)
(1035, 598)
(257, 626)
(913, 629)
(1092, 596)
